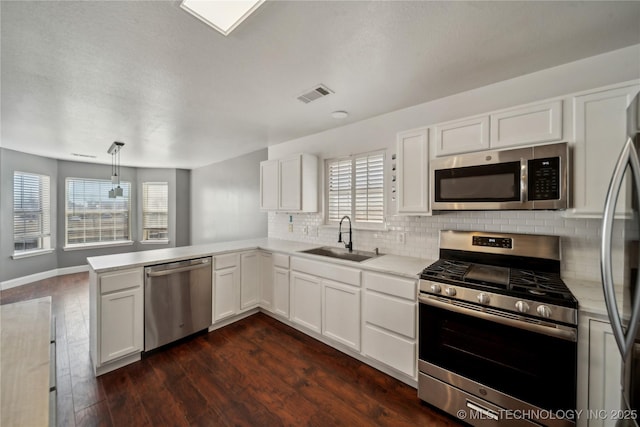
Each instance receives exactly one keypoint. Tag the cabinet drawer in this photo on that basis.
(391, 285)
(281, 260)
(390, 313)
(119, 280)
(226, 261)
(328, 271)
(397, 352)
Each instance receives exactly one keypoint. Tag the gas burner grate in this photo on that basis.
(539, 283)
(446, 269)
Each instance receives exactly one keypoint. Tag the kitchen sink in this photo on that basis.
(357, 256)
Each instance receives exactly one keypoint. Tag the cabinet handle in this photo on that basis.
(628, 157)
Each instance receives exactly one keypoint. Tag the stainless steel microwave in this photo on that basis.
(513, 179)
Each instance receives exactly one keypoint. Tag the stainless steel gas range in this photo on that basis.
(498, 331)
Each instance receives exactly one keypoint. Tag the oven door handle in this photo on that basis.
(482, 410)
(557, 331)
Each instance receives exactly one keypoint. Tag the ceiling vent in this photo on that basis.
(315, 93)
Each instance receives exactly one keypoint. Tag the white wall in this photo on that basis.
(580, 236)
(225, 200)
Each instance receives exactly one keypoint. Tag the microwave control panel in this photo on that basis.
(544, 179)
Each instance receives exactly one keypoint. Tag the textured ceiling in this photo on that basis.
(75, 76)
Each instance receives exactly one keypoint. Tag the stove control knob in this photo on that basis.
(435, 289)
(483, 298)
(522, 306)
(451, 292)
(544, 311)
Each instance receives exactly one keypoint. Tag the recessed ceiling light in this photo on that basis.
(339, 114)
(223, 15)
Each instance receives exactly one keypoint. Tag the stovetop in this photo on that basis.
(539, 286)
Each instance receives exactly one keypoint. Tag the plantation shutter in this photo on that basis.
(369, 188)
(31, 211)
(340, 189)
(93, 217)
(155, 210)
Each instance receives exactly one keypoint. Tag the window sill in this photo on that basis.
(28, 254)
(85, 246)
(155, 242)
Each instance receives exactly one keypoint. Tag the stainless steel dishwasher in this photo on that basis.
(177, 300)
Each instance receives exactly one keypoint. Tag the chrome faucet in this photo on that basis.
(350, 244)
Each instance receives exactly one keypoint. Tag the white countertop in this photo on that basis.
(392, 264)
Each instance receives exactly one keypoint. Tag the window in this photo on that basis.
(92, 217)
(155, 211)
(355, 187)
(31, 212)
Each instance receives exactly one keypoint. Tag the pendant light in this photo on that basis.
(114, 150)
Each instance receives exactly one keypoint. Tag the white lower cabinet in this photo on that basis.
(281, 291)
(226, 292)
(249, 279)
(604, 372)
(306, 301)
(265, 279)
(341, 313)
(389, 321)
(121, 314)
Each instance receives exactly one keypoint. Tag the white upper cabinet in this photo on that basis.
(523, 125)
(289, 184)
(413, 172)
(269, 185)
(462, 136)
(599, 121)
(526, 125)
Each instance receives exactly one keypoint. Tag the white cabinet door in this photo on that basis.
(266, 280)
(527, 125)
(390, 349)
(600, 132)
(341, 313)
(604, 373)
(269, 184)
(226, 292)
(413, 172)
(462, 136)
(249, 279)
(290, 184)
(122, 322)
(306, 301)
(281, 291)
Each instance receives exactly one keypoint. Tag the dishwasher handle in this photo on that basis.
(177, 270)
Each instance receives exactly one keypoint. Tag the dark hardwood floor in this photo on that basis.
(255, 372)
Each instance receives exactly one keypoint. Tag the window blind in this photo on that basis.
(31, 212)
(91, 216)
(340, 189)
(355, 187)
(155, 210)
(369, 188)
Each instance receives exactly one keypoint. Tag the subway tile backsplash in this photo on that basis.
(579, 236)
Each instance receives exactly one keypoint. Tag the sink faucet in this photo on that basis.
(350, 244)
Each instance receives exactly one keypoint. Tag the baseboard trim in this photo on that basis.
(19, 281)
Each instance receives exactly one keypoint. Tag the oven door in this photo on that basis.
(525, 364)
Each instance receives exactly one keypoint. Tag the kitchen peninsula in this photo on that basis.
(345, 304)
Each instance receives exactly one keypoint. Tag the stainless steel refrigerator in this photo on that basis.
(620, 259)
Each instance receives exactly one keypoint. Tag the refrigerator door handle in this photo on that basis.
(628, 157)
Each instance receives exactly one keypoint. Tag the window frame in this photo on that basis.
(44, 238)
(101, 243)
(366, 225)
(144, 238)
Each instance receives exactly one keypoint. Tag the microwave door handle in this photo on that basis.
(628, 156)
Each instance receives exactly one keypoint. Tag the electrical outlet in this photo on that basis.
(305, 230)
(402, 237)
(290, 228)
